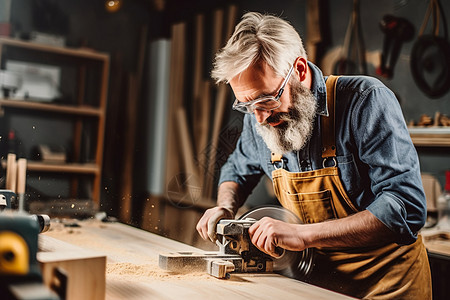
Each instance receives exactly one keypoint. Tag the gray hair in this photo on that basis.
(258, 37)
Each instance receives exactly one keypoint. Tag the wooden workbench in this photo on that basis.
(132, 270)
(437, 242)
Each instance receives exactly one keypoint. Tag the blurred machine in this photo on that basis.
(20, 276)
(238, 254)
(9, 83)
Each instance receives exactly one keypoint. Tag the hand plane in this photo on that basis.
(237, 253)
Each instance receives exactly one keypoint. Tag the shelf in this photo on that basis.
(80, 52)
(59, 108)
(75, 168)
(430, 136)
(85, 62)
(67, 167)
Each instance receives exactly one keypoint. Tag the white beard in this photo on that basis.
(296, 130)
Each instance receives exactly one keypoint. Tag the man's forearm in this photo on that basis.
(358, 230)
(229, 196)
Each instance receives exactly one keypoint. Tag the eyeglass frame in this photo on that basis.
(239, 106)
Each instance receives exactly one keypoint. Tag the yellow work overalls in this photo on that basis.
(383, 272)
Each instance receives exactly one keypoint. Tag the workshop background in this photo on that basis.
(167, 126)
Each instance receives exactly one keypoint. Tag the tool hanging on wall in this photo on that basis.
(396, 31)
(353, 57)
(430, 59)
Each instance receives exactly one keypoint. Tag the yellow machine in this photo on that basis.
(20, 276)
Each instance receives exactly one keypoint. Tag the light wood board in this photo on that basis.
(85, 269)
(133, 272)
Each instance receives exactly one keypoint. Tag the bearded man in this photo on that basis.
(340, 157)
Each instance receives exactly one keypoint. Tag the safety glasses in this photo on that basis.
(263, 103)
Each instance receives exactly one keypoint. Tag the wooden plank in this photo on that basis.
(101, 133)
(221, 98)
(197, 103)
(21, 175)
(132, 270)
(21, 182)
(231, 21)
(176, 89)
(313, 29)
(11, 172)
(217, 39)
(198, 56)
(187, 151)
(204, 137)
(186, 142)
(134, 87)
(126, 177)
(78, 127)
(85, 270)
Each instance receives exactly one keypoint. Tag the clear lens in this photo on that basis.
(265, 103)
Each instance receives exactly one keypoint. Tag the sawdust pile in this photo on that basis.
(148, 273)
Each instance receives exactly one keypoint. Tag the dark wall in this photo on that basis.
(413, 101)
(85, 22)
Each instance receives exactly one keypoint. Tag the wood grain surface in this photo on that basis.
(132, 270)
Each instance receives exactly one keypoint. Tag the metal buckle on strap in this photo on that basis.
(277, 158)
(334, 160)
(275, 164)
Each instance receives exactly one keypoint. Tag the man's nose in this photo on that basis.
(262, 115)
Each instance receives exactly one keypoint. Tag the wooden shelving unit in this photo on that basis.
(79, 110)
(430, 136)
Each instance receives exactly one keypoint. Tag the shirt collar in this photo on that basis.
(318, 89)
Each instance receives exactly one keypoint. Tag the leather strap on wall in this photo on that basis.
(327, 123)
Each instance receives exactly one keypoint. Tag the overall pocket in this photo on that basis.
(310, 207)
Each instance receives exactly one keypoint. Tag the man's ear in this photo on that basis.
(301, 68)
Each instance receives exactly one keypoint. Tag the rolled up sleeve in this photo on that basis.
(385, 146)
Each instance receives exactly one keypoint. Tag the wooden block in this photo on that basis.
(11, 172)
(85, 269)
(432, 190)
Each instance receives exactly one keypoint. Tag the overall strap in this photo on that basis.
(328, 123)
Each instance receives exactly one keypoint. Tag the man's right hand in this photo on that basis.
(206, 227)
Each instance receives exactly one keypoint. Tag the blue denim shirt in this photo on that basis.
(378, 164)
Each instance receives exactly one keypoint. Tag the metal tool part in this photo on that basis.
(237, 253)
(43, 221)
(293, 264)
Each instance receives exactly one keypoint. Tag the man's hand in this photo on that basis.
(268, 233)
(207, 224)
(362, 229)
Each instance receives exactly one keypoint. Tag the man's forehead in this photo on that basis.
(255, 80)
